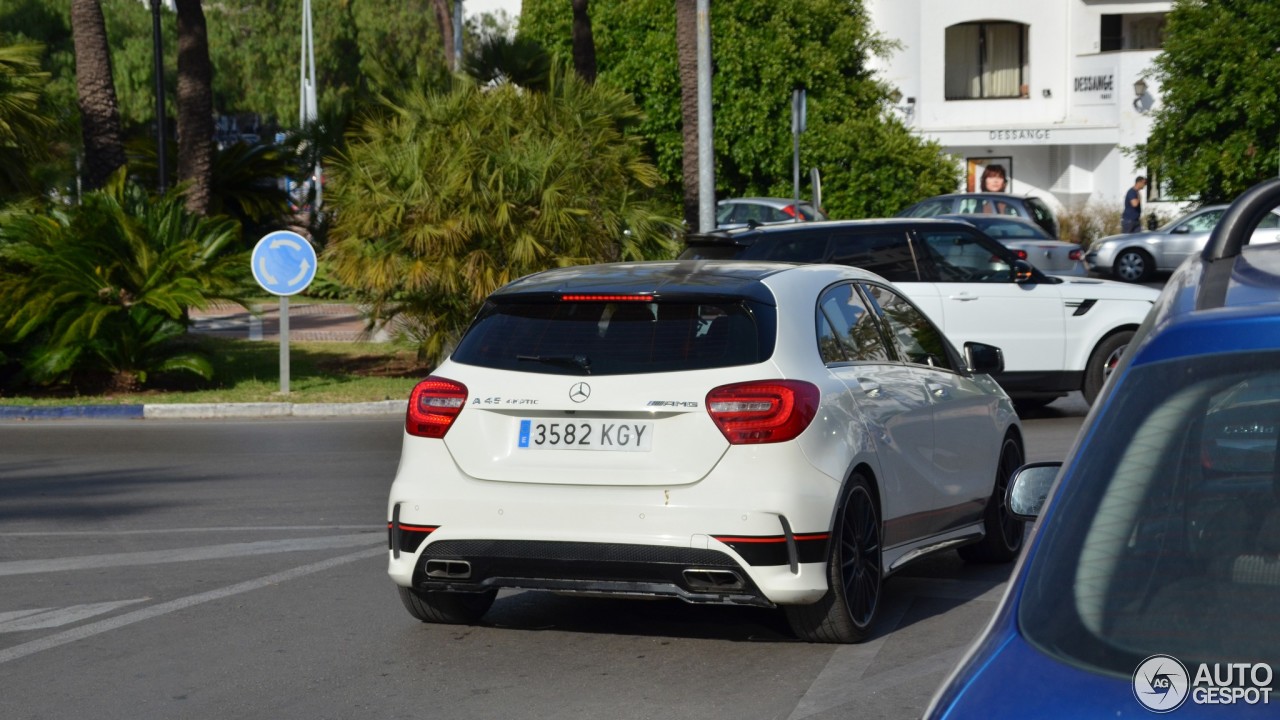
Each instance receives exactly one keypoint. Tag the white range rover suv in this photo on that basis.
(1058, 334)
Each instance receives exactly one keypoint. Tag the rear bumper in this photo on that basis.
(754, 531)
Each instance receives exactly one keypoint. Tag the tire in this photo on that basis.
(1133, 265)
(1102, 362)
(448, 608)
(855, 575)
(1003, 540)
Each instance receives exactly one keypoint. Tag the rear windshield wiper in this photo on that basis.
(581, 362)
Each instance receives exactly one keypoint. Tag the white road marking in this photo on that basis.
(172, 531)
(15, 614)
(102, 626)
(206, 552)
(44, 618)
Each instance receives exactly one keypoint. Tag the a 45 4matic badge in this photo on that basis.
(284, 263)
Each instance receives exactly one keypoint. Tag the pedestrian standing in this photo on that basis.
(1131, 218)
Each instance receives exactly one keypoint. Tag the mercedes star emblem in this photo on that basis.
(580, 392)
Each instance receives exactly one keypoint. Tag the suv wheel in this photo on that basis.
(1102, 362)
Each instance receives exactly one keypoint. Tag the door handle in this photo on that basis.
(936, 390)
(870, 387)
(964, 297)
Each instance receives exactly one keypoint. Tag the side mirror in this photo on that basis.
(1029, 488)
(983, 359)
(1023, 272)
(1181, 230)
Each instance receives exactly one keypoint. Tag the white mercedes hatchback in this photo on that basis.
(763, 434)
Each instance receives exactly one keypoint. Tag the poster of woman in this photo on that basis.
(989, 174)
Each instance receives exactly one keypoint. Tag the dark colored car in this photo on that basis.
(1023, 206)
(1152, 580)
(1058, 334)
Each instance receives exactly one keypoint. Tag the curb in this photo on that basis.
(203, 411)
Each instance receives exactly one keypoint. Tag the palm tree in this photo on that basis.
(449, 196)
(195, 106)
(95, 294)
(99, 111)
(584, 45)
(687, 61)
(23, 124)
(444, 19)
(521, 61)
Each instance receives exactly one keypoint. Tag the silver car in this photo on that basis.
(1136, 257)
(1030, 242)
(741, 212)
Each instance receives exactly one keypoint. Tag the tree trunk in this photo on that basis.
(444, 18)
(99, 111)
(584, 44)
(687, 59)
(195, 106)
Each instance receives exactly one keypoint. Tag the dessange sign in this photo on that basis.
(1095, 88)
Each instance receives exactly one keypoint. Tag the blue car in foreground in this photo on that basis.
(1152, 582)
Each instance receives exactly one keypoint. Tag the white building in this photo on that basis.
(1045, 87)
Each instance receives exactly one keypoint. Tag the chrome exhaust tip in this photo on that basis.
(713, 580)
(448, 569)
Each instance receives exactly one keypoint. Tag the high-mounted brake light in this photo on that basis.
(606, 298)
(433, 406)
(763, 411)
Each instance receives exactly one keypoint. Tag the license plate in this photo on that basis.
(585, 435)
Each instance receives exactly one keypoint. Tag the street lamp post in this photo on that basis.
(159, 72)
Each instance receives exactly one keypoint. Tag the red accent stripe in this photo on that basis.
(417, 528)
(771, 538)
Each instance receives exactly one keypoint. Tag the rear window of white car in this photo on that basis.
(1166, 537)
(618, 338)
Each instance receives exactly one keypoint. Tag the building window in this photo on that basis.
(1133, 31)
(986, 60)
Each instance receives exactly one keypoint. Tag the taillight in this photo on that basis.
(1022, 254)
(1075, 255)
(790, 210)
(433, 406)
(763, 411)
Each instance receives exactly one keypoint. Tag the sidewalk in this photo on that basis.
(308, 322)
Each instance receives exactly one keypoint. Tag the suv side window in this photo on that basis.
(917, 340)
(851, 324)
(962, 256)
(887, 253)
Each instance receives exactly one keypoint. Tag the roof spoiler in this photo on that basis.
(1231, 235)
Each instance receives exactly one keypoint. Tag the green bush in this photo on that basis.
(95, 296)
(1083, 223)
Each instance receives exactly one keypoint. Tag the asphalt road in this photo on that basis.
(153, 569)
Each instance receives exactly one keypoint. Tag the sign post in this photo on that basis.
(284, 264)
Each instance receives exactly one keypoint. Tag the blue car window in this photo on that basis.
(1165, 537)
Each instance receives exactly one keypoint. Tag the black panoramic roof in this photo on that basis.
(673, 279)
